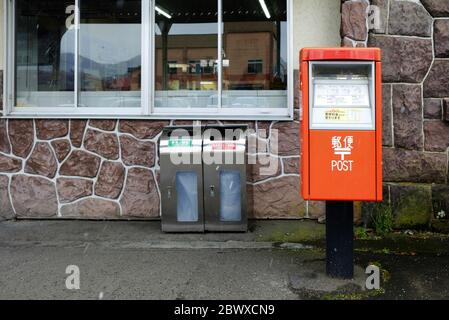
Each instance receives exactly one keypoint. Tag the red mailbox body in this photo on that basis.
(341, 124)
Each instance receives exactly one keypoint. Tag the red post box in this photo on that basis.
(341, 124)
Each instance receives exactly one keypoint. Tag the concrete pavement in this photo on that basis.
(134, 260)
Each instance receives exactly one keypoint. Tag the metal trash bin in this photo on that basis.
(224, 167)
(181, 177)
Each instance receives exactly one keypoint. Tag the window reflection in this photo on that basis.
(253, 59)
(110, 53)
(44, 56)
(186, 54)
(255, 53)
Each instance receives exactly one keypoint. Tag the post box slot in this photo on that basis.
(342, 96)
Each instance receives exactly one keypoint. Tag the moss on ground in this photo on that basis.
(290, 231)
(355, 296)
(314, 234)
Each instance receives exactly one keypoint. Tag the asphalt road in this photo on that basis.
(30, 272)
(419, 277)
(134, 264)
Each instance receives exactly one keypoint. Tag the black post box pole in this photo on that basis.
(340, 239)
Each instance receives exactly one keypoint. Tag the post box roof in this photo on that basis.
(334, 54)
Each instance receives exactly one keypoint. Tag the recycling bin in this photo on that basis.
(181, 179)
(224, 167)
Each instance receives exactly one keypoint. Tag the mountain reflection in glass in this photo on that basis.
(44, 55)
(110, 53)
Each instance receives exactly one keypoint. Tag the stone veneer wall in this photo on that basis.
(414, 37)
(108, 169)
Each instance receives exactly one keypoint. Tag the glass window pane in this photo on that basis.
(110, 53)
(186, 54)
(255, 54)
(44, 54)
(230, 196)
(187, 196)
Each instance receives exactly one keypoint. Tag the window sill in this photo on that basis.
(156, 116)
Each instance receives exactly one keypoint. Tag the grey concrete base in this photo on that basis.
(312, 282)
(135, 260)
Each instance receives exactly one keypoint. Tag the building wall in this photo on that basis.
(109, 169)
(316, 23)
(414, 37)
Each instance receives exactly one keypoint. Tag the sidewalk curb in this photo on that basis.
(166, 245)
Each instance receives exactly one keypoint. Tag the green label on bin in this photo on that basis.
(180, 142)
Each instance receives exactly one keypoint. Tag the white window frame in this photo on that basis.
(147, 109)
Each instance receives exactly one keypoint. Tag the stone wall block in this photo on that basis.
(410, 19)
(401, 165)
(265, 167)
(284, 139)
(105, 125)
(77, 128)
(411, 206)
(137, 153)
(291, 165)
(62, 148)
(387, 121)
(21, 135)
(383, 7)
(95, 209)
(10, 164)
(257, 145)
(6, 210)
(4, 139)
(51, 129)
(433, 109)
(437, 8)
(42, 161)
(440, 201)
(436, 136)
(404, 59)
(81, 164)
(34, 197)
(276, 199)
(142, 129)
(441, 38)
(70, 189)
(110, 180)
(103, 144)
(436, 84)
(353, 20)
(407, 115)
(140, 198)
